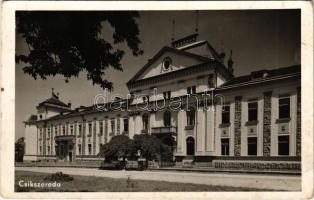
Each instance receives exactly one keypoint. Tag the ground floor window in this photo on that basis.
(90, 149)
(79, 149)
(225, 146)
(252, 146)
(283, 145)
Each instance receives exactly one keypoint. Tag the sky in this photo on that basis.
(260, 39)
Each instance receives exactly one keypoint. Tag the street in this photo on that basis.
(273, 182)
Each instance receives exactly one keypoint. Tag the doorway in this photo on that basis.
(190, 146)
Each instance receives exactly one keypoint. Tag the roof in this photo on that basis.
(262, 76)
(160, 52)
(54, 101)
(87, 110)
(32, 118)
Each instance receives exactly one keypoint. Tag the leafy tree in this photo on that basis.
(19, 149)
(67, 43)
(151, 147)
(119, 146)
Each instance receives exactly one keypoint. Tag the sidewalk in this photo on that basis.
(267, 182)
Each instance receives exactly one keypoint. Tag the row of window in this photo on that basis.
(283, 146)
(112, 122)
(284, 110)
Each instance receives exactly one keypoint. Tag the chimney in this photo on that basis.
(230, 63)
(69, 104)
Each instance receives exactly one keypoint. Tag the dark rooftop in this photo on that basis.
(262, 75)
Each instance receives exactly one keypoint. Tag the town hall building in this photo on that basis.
(186, 95)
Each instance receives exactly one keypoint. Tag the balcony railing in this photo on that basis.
(164, 129)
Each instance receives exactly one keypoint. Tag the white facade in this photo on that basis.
(176, 75)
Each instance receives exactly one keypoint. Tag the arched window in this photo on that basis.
(190, 116)
(145, 121)
(167, 118)
(167, 63)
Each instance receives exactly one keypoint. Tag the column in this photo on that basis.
(298, 133)
(267, 123)
(94, 136)
(83, 136)
(237, 126)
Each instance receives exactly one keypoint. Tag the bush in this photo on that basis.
(120, 146)
(59, 177)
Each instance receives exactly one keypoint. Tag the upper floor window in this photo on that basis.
(167, 95)
(252, 111)
(89, 128)
(71, 129)
(63, 130)
(145, 121)
(284, 107)
(191, 90)
(190, 114)
(167, 118)
(80, 128)
(112, 125)
(211, 82)
(101, 128)
(56, 130)
(166, 64)
(225, 118)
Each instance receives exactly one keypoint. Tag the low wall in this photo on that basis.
(257, 165)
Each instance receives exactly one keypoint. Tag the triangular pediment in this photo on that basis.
(168, 60)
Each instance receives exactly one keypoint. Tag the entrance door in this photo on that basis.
(190, 146)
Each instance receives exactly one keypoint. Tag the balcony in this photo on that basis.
(164, 130)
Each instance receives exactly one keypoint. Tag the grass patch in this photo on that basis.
(102, 184)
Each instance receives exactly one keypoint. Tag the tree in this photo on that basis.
(119, 146)
(19, 149)
(67, 43)
(150, 147)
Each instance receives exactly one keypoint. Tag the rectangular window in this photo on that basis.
(71, 129)
(101, 130)
(112, 126)
(89, 128)
(225, 146)
(79, 149)
(211, 83)
(188, 90)
(40, 150)
(284, 107)
(63, 130)
(225, 114)
(252, 111)
(167, 95)
(80, 129)
(48, 149)
(193, 89)
(90, 149)
(56, 130)
(118, 126)
(252, 146)
(126, 124)
(283, 145)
